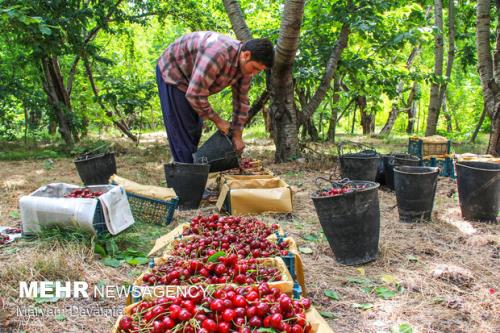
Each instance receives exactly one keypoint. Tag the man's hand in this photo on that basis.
(222, 125)
(238, 143)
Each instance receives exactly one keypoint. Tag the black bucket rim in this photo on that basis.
(89, 157)
(360, 157)
(461, 164)
(374, 186)
(406, 157)
(432, 170)
(182, 163)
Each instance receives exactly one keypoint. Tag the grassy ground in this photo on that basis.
(433, 277)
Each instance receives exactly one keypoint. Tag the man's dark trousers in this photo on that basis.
(183, 124)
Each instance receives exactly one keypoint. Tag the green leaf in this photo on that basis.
(265, 329)
(14, 214)
(45, 30)
(98, 249)
(412, 258)
(365, 282)
(364, 306)
(215, 256)
(112, 262)
(327, 314)
(111, 247)
(48, 164)
(403, 328)
(41, 300)
(305, 250)
(60, 317)
(133, 253)
(137, 261)
(311, 237)
(384, 292)
(332, 294)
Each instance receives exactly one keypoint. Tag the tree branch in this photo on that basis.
(90, 37)
(238, 23)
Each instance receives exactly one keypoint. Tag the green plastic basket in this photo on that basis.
(150, 210)
(99, 222)
(446, 166)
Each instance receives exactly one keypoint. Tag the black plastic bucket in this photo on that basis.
(218, 152)
(96, 169)
(415, 189)
(351, 223)
(380, 177)
(188, 181)
(479, 190)
(392, 160)
(360, 166)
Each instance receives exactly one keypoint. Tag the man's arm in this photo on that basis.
(240, 110)
(205, 71)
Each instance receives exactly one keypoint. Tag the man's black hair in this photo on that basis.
(261, 50)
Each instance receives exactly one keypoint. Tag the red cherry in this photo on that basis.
(217, 305)
(158, 327)
(168, 322)
(276, 321)
(255, 322)
(228, 315)
(239, 301)
(223, 327)
(209, 325)
(185, 315)
(252, 296)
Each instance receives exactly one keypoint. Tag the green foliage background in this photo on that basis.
(124, 53)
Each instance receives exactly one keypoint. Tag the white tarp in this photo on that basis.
(47, 206)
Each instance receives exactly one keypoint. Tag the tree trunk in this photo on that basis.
(330, 70)
(283, 113)
(447, 116)
(257, 106)
(412, 113)
(478, 126)
(393, 114)
(26, 123)
(488, 75)
(367, 120)
(353, 118)
(389, 124)
(238, 23)
(58, 98)
(333, 120)
(433, 112)
(449, 64)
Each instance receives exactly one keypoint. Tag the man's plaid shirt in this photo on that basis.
(202, 64)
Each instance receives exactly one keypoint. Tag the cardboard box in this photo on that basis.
(246, 195)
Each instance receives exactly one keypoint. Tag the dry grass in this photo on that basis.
(442, 271)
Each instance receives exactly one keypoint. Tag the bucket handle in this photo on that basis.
(346, 182)
(356, 145)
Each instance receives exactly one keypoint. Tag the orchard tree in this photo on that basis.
(488, 62)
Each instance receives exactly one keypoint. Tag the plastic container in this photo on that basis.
(152, 211)
(479, 190)
(218, 152)
(188, 181)
(415, 189)
(96, 169)
(351, 223)
(360, 166)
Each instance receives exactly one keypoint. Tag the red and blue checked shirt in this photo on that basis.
(202, 64)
